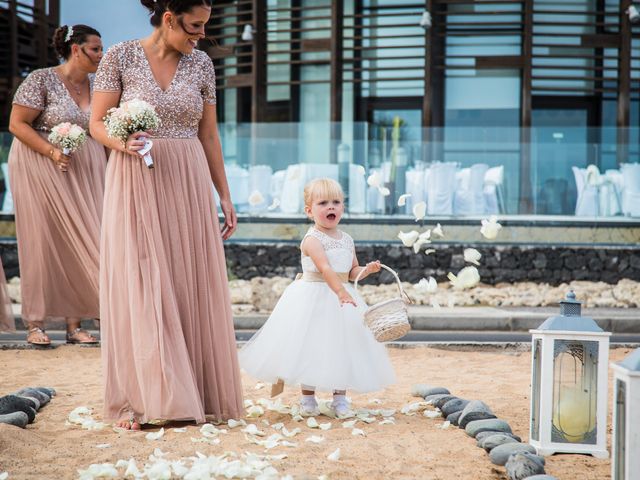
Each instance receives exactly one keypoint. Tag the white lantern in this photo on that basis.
(626, 418)
(570, 354)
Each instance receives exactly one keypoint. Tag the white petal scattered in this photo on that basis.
(315, 439)
(132, 469)
(179, 430)
(408, 238)
(490, 228)
(402, 199)
(155, 435)
(425, 236)
(388, 421)
(360, 170)
(255, 411)
(357, 431)
(335, 456)
(375, 401)
(259, 386)
(427, 285)
(444, 425)
(435, 304)
(429, 251)
(419, 211)
(4, 475)
(418, 245)
(252, 429)
(275, 204)
(99, 470)
(388, 412)
(292, 433)
(312, 423)
(277, 426)
(432, 413)
(471, 255)
(248, 403)
(384, 191)
(297, 418)
(468, 277)
(255, 198)
(103, 445)
(438, 231)
(208, 430)
(375, 180)
(236, 423)
(325, 426)
(349, 424)
(82, 416)
(413, 408)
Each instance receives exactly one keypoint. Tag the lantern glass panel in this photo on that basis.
(575, 380)
(620, 429)
(535, 394)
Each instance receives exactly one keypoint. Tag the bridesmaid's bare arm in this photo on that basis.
(208, 135)
(101, 102)
(20, 125)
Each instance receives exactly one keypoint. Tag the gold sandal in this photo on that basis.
(42, 334)
(71, 338)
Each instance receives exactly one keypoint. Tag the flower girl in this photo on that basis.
(316, 336)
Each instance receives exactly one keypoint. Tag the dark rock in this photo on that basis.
(541, 477)
(12, 403)
(476, 407)
(34, 392)
(454, 405)
(476, 416)
(429, 390)
(18, 419)
(432, 399)
(442, 400)
(493, 441)
(453, 418)
(501, 453)
(33, 402)
(482, 436)
(488, 425)
(523, 465)
(47, 391)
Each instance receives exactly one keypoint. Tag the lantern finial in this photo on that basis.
(570, 307)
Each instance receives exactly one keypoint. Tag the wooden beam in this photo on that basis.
(259, 67)
(506, 61)
(337, 66)
(600, 40)
(316, 44)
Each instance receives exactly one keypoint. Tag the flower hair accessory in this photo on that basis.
(69, 33)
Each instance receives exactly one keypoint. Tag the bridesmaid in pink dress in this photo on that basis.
(58, 197)
(168, 343)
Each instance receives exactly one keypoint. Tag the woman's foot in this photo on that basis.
(128, 424)
(37, 336)
(340, 406)
(309, 406)
(81, 337)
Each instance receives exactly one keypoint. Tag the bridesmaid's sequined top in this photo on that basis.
(43, 90)
(125, 68)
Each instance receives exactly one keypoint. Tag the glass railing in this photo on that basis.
(591, 173)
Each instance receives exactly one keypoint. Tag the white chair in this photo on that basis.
(469, 196)
(494, 190)
(7, 203)
(631, 193)
(260, 180)
(238, 179)
(441, 187)
(357, 190)
(588, 195)
(611, 193)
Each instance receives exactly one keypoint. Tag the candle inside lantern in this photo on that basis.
(574, 414)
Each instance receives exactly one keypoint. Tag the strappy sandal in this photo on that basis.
(41, 335)
(71, 337)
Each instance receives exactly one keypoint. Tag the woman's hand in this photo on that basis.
(60, 159)
(344, 297)
(230, 218)
(372, 267)
(135, 142)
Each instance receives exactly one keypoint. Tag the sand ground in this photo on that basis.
(412, 448)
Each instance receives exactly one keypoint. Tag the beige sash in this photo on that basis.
(317, 277)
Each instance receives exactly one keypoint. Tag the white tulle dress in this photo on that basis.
(311, 340)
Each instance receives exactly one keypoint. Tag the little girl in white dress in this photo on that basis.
(316, 336)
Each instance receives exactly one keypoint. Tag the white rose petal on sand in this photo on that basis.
(155, 435)
(325, 426)
(419, 211)
(103, 445)
(438, 231)
(444, 425)
(357, 432)
(236, 423)
(315, 439)
(432, 413)
(490, 228)
(402, 199)
(471, 255)
(349, 424)
(388, 421)
(427, 285)
(334, 456)
(468, 277)
(312, 423)
(255, 411)
(408, 238)
(4, 475)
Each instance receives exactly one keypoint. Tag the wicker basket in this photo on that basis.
(388, 320)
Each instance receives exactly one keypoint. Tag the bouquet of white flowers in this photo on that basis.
(68, 136)
(130, 117)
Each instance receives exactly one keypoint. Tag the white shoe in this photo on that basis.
(309, 406)
(340, 406)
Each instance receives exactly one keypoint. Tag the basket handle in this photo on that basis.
(400, 289)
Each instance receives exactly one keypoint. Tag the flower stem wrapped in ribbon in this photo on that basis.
(68, 136)
(131, 117)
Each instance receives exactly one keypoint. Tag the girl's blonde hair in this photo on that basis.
(322, 187)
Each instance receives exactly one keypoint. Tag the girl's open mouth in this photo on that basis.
(331, 216)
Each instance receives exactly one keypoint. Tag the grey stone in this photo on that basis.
(33, 392)
(47, 391)
(33, 402)
(442, 400)
(501, 453)
(429, 390)
(488, 425)
(493, 441)
(477, 407)
(482, 436)
(542, 477)
(475, 416)
(432, 399)
(523, 465)
(13, 403)
(453, 418)
(18, 419)
(455, 405)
